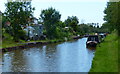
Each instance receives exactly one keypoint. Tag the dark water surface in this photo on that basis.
(70, 56)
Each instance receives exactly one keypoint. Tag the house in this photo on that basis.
(29, 31)
(34, 31)
(38, 29)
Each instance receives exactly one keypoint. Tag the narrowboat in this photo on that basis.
(92, 40)
(102, 36)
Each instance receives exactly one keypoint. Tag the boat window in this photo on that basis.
(93, 38)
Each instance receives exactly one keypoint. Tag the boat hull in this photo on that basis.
(91, 44)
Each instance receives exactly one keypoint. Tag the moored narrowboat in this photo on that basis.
(92, 40)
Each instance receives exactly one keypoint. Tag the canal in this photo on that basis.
(71, 56)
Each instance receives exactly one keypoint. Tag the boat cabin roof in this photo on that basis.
(93, 38)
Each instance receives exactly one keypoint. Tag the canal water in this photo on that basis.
(71, 56)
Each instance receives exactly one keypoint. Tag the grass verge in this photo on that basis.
(8, 42)
(106, 55)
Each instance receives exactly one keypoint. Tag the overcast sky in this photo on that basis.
(86, 10)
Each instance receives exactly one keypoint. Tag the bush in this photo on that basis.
(6, 36)
(22, 35)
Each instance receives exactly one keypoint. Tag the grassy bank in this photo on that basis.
(9, 42)
(106, 56)
(119, 54)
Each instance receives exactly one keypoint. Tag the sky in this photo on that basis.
(87, 11)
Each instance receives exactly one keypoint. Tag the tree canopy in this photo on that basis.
(18, 13)
(112, 16)
(72, 22)
(51, 18)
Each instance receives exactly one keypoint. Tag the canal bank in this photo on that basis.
(14, 46)
(106, 55)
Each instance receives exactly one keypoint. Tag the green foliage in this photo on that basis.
(51, 19)
(4, 19)
(72, 22)
(112, 16)
(22, 35)
(6, 36)
(84, 29)
(18, 13)
(61, 24)
(104, 28)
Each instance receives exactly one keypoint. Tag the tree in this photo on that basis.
(72, 22)
(51, 18)
(112, 16)
(18, 14)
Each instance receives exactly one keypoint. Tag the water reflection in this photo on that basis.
(70, 56)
